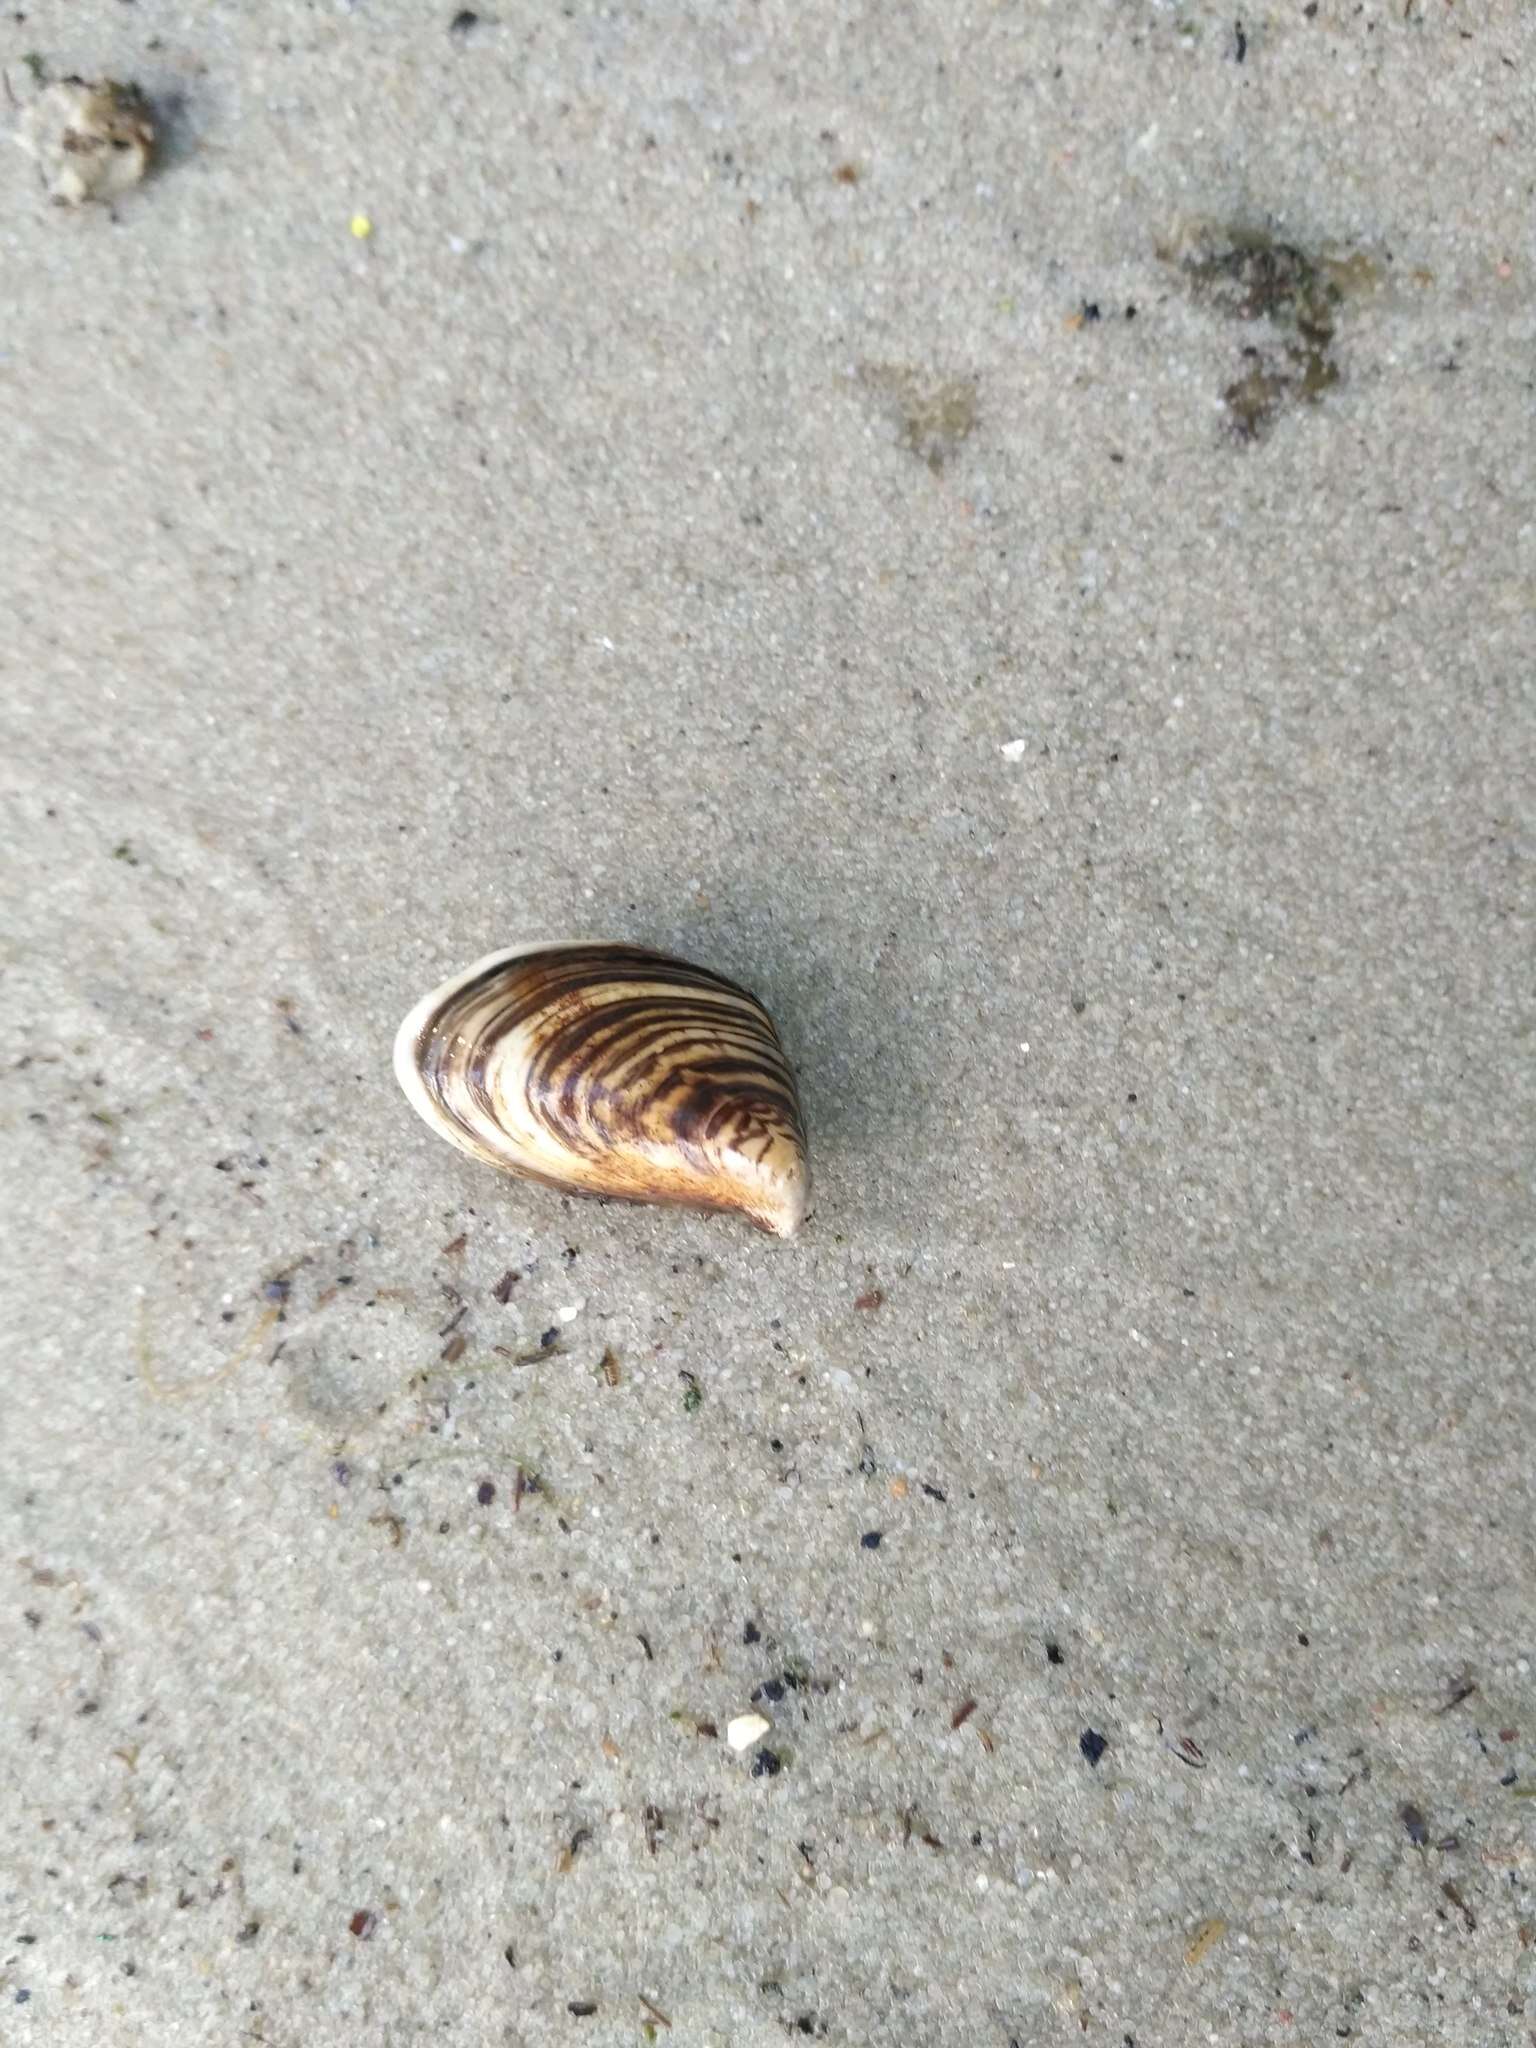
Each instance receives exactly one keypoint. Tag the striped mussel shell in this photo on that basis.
(607, 1069)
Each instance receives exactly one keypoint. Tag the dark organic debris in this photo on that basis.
(767, 1764)
(1245, 274)
(1452, 1891)
(1413, 1820)
(1092, 1744)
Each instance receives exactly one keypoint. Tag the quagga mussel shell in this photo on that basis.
(607, 1069)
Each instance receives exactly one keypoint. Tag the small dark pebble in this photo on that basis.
(248, 1933)
(502, 1291)
(773, 1690)
(22, 1997)
(509, 1956)
(277, 1290)
(581, 2008)
(1091, 310)
(547, 1339)
(766, 1764)
(871, 1539)
(1092, 1744)
(485, 1492)
(1414, 1821)
(362, 1924)
(751, 1633)
(463, 22)
(1053, 1654)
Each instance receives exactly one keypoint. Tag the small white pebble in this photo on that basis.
(745, 1730)
(88, 141)
(570, 1312)
(1013, 750)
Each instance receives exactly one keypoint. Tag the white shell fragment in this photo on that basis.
(745, 1730)
(607, 1069)
(89, 141)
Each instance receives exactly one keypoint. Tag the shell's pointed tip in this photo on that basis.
(782, 1214)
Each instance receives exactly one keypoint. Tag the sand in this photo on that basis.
(1007, 529)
